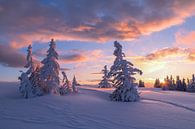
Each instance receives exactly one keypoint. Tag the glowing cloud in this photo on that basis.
(87, 20)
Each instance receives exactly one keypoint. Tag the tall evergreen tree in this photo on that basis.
(105, 82)
(122, 71)
(50, 69)
(26, 88)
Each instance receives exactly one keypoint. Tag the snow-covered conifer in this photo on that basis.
(122, 71)
(50, 69)
(74, 83)
(105, 82)
(66, 87)
(38, 85)
(26, 88)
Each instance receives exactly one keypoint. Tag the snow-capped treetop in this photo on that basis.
(105, 71)
(118, 51)
(75, 80)
(51, 52)
(29, 59)
(119, 62)
(50, 69)
(65, 78)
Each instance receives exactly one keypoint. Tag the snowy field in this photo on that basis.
(91, 109)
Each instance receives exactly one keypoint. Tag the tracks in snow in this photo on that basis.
(170, 103)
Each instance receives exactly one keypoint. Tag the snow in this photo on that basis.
(92, 109)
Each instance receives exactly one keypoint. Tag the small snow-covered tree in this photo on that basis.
(50, 69)
(105, 82)
(122, 71)
(66, 87)
(26, 88)
(38, 85)
(74, 83)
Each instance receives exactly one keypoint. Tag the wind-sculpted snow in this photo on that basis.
(91, 108)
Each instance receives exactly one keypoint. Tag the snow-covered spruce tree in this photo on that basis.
(50, 68)
(122, 71)
(66, 87)
(74, 83)
(105, 82)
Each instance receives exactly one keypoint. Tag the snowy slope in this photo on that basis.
(91, 109)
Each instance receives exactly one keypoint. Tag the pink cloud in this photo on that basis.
(187, 53)
(186, 39)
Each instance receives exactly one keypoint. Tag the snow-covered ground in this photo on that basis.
(92, 109)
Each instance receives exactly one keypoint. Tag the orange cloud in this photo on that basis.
(185, 53)
(186, 39)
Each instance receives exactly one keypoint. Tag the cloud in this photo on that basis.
(10, 57)
(65, 69)
(97, 73)
(72, 58)
(184, 38)
(187, 53)
(73, 55)
(86, 20)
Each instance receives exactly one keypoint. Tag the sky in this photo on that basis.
(158, 36)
